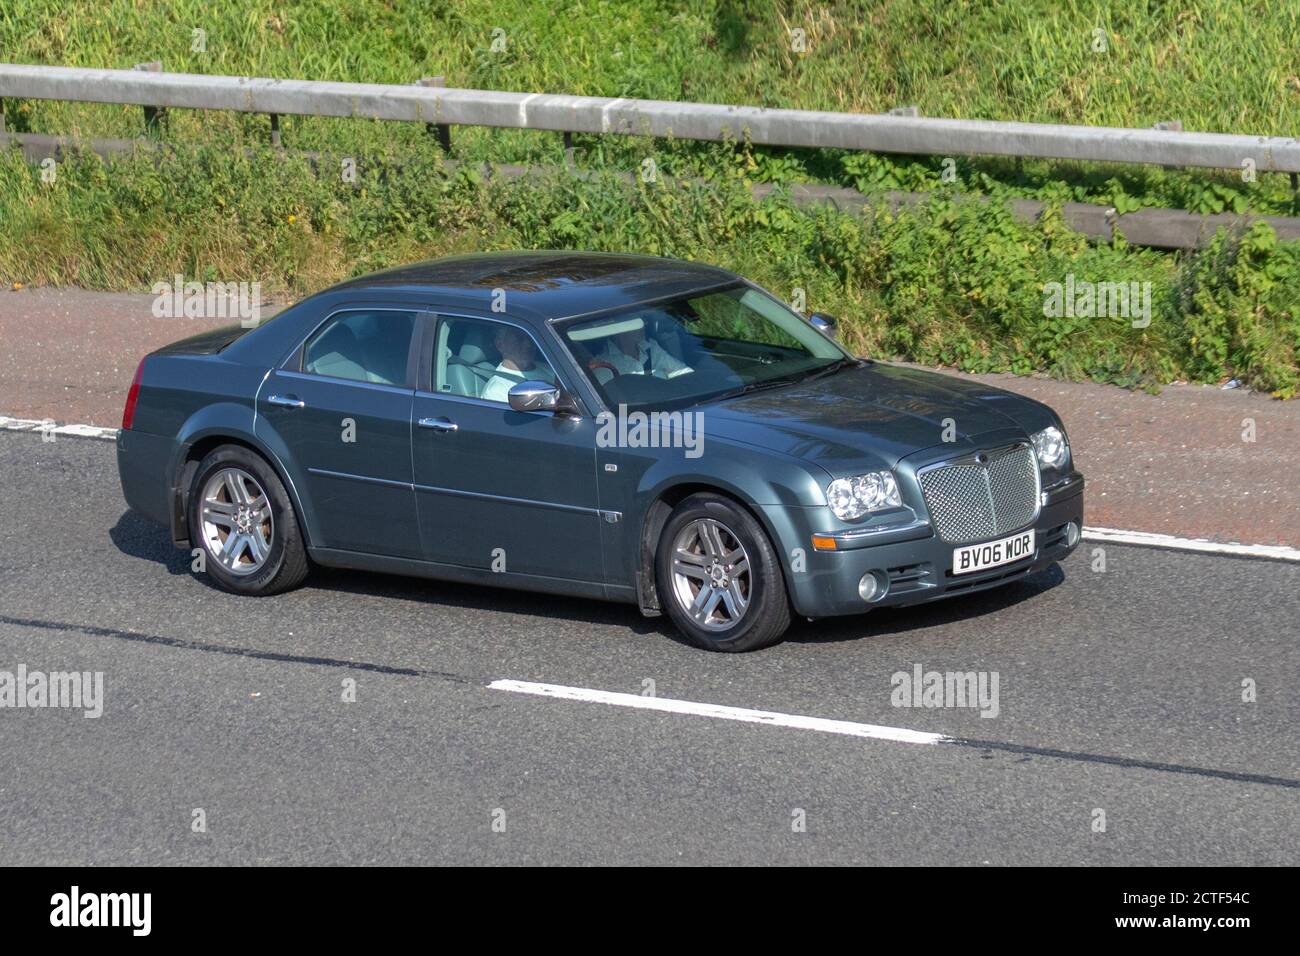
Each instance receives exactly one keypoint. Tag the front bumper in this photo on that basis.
(915, 561)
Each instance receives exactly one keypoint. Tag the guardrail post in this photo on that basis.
(153, 115)
(2, 117)
(275, 130)
(1169, 126)
(568, 149)
(440, 130)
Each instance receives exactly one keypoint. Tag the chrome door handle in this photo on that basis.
(438, 424)
(286, 401)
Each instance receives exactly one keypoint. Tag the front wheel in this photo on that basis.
(241, 515)
(719, 578)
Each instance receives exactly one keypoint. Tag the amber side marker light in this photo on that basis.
(823, 542)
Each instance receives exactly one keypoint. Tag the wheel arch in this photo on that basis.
(656, 516)
(194, 449)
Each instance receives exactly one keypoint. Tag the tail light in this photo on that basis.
(128, 413)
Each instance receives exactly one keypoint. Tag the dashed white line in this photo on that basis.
(771, 718)
(1147, 539)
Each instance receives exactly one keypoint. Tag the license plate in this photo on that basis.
(978, 557)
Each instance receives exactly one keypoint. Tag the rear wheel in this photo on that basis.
(719, 578)
(242, 518)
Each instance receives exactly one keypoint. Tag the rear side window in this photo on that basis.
(362, 346)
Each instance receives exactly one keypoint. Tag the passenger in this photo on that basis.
(519, 363)
(630, 352)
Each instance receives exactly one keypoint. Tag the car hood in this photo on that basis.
(870, 417)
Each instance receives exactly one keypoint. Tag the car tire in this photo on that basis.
(740, 611)
(267, 555)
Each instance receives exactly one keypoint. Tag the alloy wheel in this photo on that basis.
(711, 574)
(238, 528)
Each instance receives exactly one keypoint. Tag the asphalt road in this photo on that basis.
(234, 706)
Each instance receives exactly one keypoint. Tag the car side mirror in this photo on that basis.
(537, 396)
(823, 323)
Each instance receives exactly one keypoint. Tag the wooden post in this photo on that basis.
(153, 115)
(440, 130)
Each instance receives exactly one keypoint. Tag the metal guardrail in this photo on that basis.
(442, 107)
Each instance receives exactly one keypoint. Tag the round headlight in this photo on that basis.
(840, 496)
(889, 489)
(1049, 444)
(867, 490)
(854, 497)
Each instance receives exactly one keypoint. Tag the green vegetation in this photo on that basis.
(949, 282)
(952, 281)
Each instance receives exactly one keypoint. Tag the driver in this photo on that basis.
(519, 363)
(629, 352)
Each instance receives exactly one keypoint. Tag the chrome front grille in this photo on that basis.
(982, 496)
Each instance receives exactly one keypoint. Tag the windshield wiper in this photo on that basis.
(752, 387)
(831, 369)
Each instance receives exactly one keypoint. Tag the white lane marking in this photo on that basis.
(1116, 536)
(771, 718)
(38, 425)
(1150, 540)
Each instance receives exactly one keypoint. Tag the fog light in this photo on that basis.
(872, 587)
(1072, 534)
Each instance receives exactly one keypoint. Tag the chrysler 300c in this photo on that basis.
(618, 427)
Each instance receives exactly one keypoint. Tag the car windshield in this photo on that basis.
(698, 348)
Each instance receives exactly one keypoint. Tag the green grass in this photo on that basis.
(1217, 66)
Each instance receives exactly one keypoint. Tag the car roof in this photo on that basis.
(550, 284)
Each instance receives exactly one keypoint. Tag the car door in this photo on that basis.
(497, 489)
(341, 405)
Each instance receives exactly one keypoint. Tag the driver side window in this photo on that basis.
(477, 358)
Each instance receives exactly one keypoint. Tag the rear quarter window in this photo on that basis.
(364, 345)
